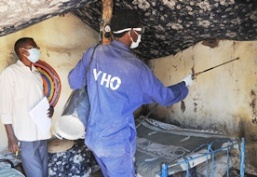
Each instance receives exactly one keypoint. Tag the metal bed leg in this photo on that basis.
(228, 162)
(206, 164)
(164, 170)
(242, 158)
(212, 163)
(187, 172)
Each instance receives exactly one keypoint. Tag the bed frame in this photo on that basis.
(210, 155)
(165, 150)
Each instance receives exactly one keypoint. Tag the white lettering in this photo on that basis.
(96, 75)
(113, 81)
(107, 80)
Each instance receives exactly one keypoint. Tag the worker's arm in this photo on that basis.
(12, 140)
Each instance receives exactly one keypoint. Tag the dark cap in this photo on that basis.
(125, 19)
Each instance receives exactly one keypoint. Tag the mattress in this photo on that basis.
(10, 172)
(159, 142)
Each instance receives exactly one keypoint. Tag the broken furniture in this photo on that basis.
(164, 149)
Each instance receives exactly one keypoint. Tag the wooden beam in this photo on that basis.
(107, 7)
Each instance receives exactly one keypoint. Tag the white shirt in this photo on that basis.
(20, 90)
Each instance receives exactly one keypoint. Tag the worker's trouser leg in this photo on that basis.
(122, 166)
(34, 157)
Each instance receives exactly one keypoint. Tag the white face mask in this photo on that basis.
(34, 55)
(135, 44)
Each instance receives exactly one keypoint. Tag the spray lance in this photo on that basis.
(193, 77)
(201, 72)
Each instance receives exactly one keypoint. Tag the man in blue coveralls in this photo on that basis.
(118, 83)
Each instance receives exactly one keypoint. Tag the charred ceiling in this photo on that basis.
(171, 25)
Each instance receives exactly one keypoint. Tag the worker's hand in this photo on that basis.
(50, 111)
(188, 80)
(13, 144)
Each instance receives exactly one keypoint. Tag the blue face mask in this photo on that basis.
(34, 55)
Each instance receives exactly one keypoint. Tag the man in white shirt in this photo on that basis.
(21, 89)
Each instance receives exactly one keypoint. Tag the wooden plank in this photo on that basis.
(107, 8)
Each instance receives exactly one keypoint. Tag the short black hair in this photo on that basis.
(124, 19)
(20, 43)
